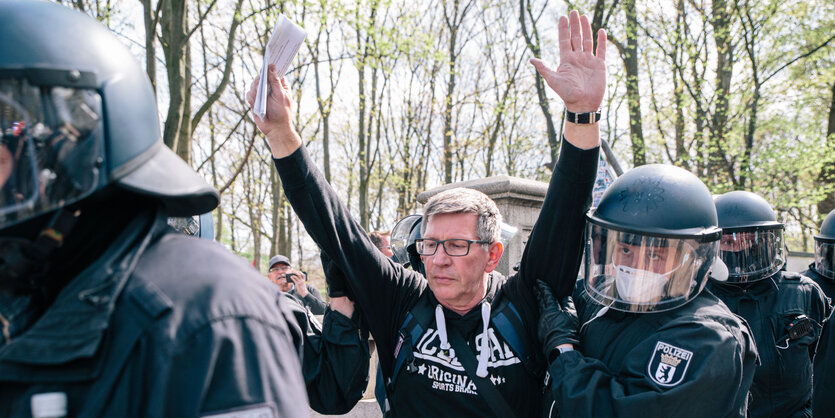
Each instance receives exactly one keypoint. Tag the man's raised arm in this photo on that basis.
(580, 80)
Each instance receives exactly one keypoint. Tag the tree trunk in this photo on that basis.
(151, 18)
(532, 39)
(724, 71)
(633, 92)
(174, 43)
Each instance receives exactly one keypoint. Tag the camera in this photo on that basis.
(290, 280)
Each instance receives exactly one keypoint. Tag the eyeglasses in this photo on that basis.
(452, 247)
(279, 269)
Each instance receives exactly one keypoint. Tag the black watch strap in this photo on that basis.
(582, 118)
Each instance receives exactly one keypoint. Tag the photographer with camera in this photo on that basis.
(294, 282)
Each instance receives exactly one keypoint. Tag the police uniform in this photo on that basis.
(114, 313)
(823, 376)
(143, 333)
(782, 386)
(785, 310)
(648, 340)
(692, 361)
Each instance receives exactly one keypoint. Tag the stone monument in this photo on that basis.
(519, 201)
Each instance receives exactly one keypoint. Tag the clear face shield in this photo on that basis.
(641, 273)
(825, 258)
(50, 150)
(399, 238)
(752, 254)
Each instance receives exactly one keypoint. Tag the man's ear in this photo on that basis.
(494, 252)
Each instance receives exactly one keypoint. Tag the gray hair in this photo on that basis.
(463, 200)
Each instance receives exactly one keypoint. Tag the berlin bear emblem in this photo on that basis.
(668, 364)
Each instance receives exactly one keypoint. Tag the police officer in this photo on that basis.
(105, 310)
(652, 343)
(822, 271)
(785, 310)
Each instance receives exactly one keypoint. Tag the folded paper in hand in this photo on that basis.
(284, 43)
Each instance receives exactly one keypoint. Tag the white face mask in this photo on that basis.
(640, 286)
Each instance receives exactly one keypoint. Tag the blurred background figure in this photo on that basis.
(382, 240)
(295, 283)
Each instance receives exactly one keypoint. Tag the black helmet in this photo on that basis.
(825, 247)
(77, 114)
(403, 237)
(752, 238)
(652, 240)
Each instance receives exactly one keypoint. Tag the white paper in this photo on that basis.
(284, 44)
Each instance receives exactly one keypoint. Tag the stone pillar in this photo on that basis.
(519, 201)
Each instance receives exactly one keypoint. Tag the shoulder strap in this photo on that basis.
(486, 389)
(509, 324)
(417, 320)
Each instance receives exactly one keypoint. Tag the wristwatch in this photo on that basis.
(582, 118)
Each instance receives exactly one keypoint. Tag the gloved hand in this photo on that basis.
(558, 323)
(337, 285)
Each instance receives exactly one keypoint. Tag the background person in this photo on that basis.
(382, 240)
(104, 307)
(295, 283)
(785, 310)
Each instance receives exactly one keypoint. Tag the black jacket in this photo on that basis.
(385, 291)
(783, 383)
(823, 382)
(623, 368)
(335, 360)
(161, 325)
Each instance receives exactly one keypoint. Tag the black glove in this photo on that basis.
(337, 285)
(558, 321)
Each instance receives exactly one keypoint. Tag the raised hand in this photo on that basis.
(277, 124)
(580, 79)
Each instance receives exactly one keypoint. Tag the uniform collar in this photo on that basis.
(73, 326)
(751, 289)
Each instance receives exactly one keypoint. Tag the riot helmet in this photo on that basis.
(78, 114)
(752, 243)
(403, 238)
(825, 247)
(651, 241)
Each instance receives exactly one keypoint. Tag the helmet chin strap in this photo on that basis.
(23, 262)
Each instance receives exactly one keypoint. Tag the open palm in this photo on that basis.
(580, 79)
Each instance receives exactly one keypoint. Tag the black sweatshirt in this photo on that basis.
(386, 292)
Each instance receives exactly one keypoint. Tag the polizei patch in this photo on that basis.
(668, 364)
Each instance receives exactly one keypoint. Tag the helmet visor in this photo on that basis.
(825, 258)
(752, 255)
(640, 273)
(50, 149)
(399, 239)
